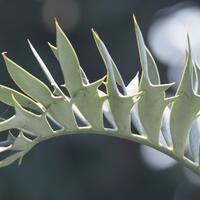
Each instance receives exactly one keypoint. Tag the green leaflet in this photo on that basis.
(89, 97)
(69, 62)
(10, 159)
(182, 113)
(114, 76)
(57, 90)
(153, 102)
(61, 110)
(40, 92)
(18, 146)
(83, 75)
(116, 100)
(33, 124)
(6, 97)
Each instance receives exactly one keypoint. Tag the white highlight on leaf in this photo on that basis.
(194, 140)
(131, 89)
(165, 126)
(108, 114)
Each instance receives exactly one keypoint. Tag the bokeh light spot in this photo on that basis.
(155, 159)
(66, 11)
(168, 36)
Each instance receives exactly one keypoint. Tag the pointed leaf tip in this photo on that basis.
(58, 27)
(51, 46)
(135, 20)
(5, 57)
(29, 42)
(56, 21)
(95, 34)
(3, 53)
(188, 45)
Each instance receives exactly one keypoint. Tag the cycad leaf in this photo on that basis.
(165, 128)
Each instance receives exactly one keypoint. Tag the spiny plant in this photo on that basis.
(169, 125)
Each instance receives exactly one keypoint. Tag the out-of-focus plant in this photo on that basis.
(165, 124)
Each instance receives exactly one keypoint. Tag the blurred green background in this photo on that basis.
(84, 167)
